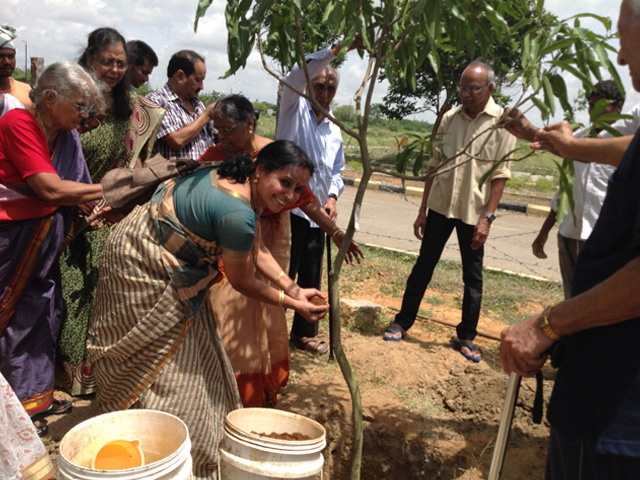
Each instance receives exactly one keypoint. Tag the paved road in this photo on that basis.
(386, 220)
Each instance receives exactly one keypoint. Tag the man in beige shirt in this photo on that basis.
(453, 199)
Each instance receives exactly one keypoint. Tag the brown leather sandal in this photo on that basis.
(313, 345)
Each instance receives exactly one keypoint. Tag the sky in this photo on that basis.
(58, 29)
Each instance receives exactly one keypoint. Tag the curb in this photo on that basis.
(520, 207)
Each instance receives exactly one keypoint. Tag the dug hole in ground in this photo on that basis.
(428, 412)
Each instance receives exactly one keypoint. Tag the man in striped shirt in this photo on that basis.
(186, 129)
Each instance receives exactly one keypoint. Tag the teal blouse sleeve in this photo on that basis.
(212, 213)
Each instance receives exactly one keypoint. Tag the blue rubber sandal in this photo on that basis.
(458, 345)
(393, 331)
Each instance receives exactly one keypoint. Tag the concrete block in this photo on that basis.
(359, 312)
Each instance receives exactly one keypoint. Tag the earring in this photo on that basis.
(255, 180)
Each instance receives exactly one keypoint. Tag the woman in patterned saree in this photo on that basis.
(41, 167)
(255, 334)
(120, 133)
(153, 339)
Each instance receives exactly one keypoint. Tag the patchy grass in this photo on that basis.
(507, 297)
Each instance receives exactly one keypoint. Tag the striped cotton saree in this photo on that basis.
(153, 341)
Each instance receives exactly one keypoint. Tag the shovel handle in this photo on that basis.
(504, 429)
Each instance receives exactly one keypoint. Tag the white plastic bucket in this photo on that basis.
(164, 439)
(246, 455)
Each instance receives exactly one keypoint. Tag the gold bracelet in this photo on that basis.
(280, 275)
(548, 331)
(280, 298)
(335, 232)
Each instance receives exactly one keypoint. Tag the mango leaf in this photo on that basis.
(201, 9)
(544, 110)
(506, 158)
(557, 45)
(548, 94)
(560, 91)
(565, 197)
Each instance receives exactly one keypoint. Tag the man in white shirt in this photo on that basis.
(300, 121)
(589, 187)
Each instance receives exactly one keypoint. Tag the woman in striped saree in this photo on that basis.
(153, 341)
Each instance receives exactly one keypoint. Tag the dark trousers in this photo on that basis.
(437, 232)
(581, 462)
(307, 249)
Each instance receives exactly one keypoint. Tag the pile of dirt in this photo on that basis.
(428, 412)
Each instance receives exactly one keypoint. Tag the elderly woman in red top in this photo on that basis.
(254, 333)
(42, 174)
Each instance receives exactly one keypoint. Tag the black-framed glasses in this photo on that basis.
(82, 109)
(472, 89)
(109, 63)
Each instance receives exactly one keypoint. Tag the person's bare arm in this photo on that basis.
(481, 230)
(51, 188)
(240, 273)
(538, 244)
(518, 125)
(185, 135)
(524, 346)
(315, 212)
(559, 140)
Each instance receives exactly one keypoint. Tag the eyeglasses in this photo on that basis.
(109, 63)
(82, 109)
(472, 89)
(226, 130)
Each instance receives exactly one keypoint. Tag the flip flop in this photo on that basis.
(393, 330)
(458, 345)
(63, 406)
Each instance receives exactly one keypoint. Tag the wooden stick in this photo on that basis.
(437, 320)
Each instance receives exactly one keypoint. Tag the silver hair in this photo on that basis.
(65, 78)
(491, 74)
(331, 70)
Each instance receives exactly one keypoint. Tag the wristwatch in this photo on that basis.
(334, 196)
(490, 216)
(546, 326)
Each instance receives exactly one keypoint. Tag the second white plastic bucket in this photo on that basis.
(164, 438)
(246, 453)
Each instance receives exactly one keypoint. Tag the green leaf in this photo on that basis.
(548, 94)
(544, 110)
(201, 9)
(565, 197)
(560, 91)
(557, 45)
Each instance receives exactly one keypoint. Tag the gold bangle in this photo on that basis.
(280, 298)
(548, 331)
(335, 232)
(280, 275)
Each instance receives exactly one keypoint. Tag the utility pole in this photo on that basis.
(26, 79)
